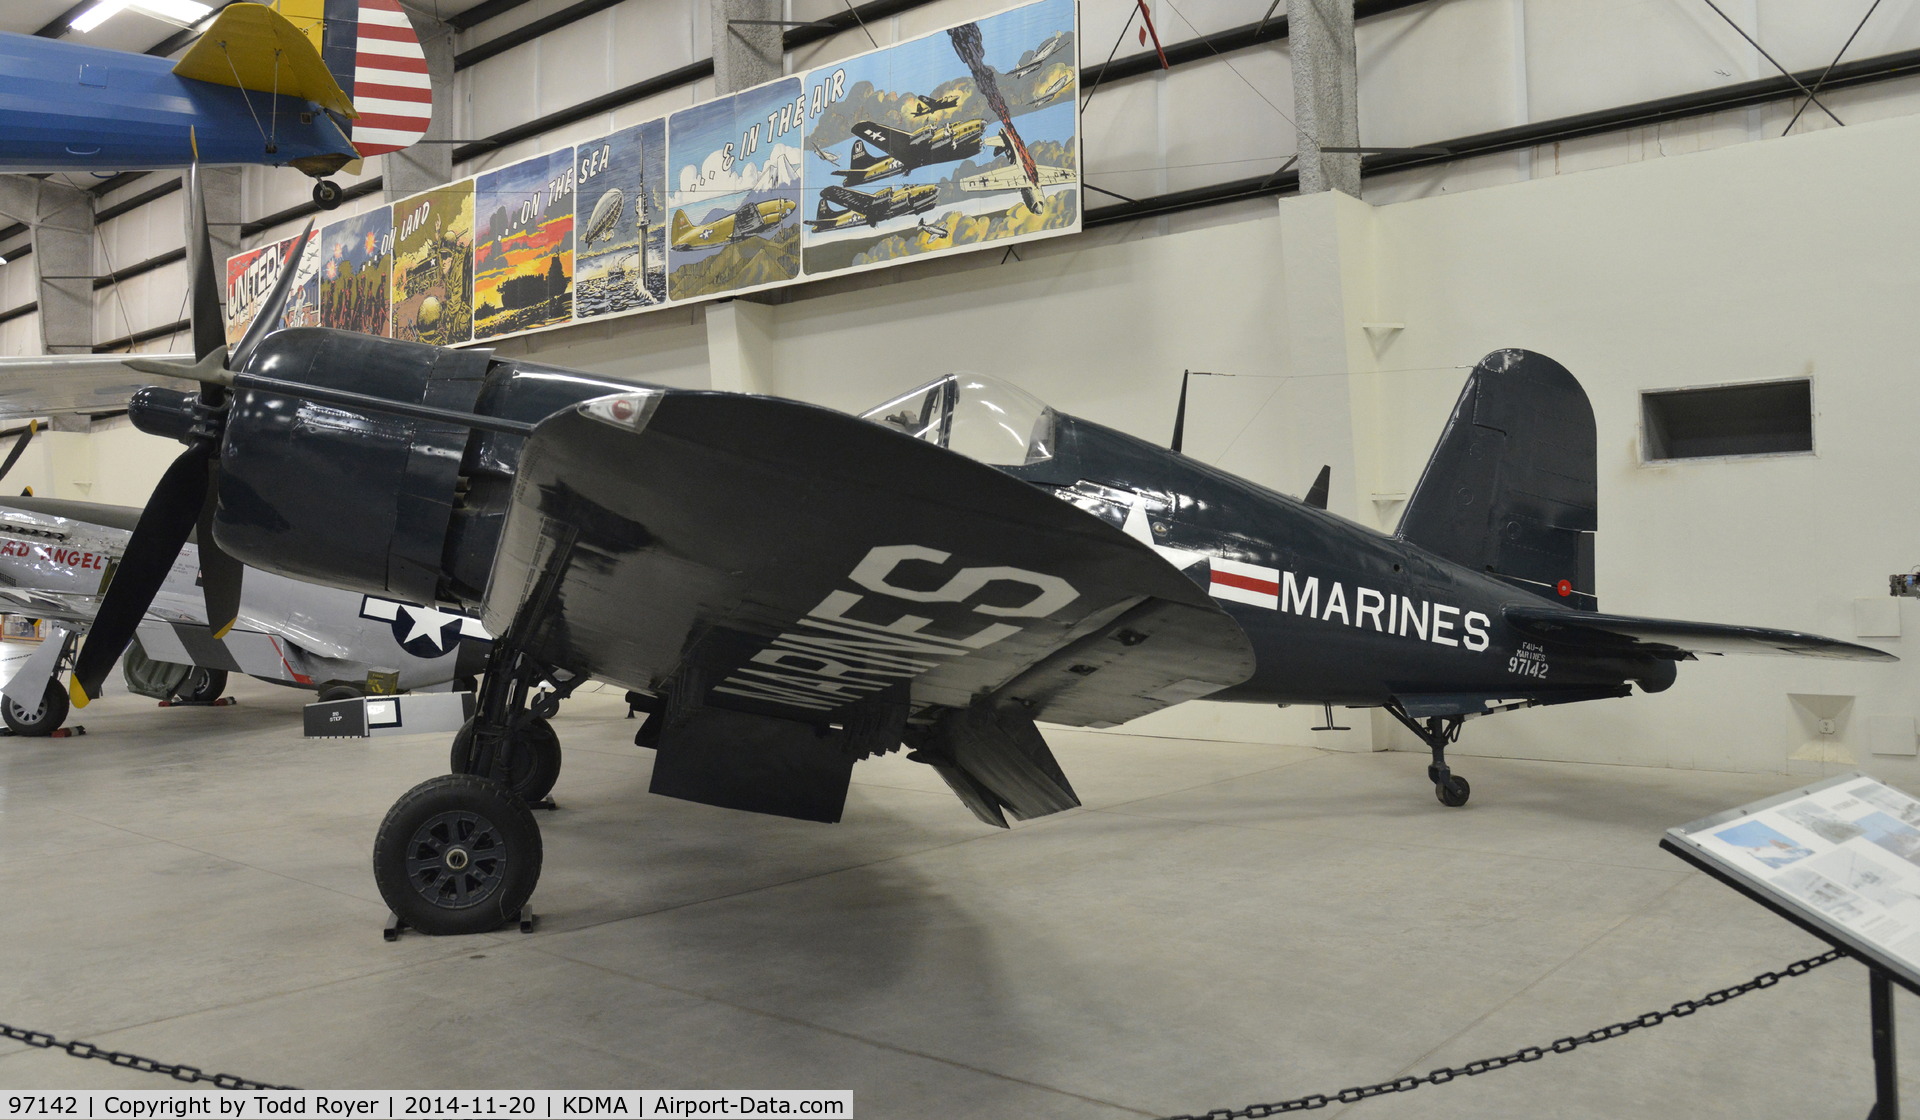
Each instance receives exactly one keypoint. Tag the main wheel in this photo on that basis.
(337, 692)
(1454, 793)
(326, 194)
(43, 720)
(457, 854)
(203, 686)
(533, 758)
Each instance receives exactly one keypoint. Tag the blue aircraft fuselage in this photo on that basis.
(66, 107)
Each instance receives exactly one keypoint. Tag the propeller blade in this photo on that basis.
(220, 574)
(163, 527)
(13, 456)
(268, 320)
(209, 325)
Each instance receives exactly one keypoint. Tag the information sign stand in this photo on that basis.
(1841, 860)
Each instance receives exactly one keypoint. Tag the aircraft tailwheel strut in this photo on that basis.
(1436, 732)
(461, 853)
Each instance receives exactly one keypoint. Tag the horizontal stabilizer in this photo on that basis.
(1667, 637)
(253, 47)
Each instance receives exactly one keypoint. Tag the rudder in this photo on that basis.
(1510, 488)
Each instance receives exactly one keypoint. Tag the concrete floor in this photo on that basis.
(1221, 924)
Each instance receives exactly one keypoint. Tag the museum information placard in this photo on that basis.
(1841, 857)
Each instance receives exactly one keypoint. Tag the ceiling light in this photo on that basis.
(96, 15)
(184, 12)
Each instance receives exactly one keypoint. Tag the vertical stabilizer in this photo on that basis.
(1510, 487)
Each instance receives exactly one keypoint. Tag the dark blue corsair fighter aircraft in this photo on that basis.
(788, 589)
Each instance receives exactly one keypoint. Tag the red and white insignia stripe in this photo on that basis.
(1245, 583)
(390, 87)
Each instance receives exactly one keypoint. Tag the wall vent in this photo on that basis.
(1727, 421)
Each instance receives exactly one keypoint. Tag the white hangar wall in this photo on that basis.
(1748, 263)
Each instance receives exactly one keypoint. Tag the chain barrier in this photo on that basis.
(44, 1041)
(1527, 1054)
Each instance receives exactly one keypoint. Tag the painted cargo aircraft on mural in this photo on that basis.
(787, 589)
(735, 169)
(995, 140)
(311, 84)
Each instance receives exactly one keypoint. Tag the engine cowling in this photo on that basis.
(363, 500)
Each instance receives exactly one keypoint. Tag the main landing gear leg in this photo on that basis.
(1451, 789)
(461, 853)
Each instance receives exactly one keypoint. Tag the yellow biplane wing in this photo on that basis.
(253, 47)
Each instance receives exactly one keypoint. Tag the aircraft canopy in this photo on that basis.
(983, 418)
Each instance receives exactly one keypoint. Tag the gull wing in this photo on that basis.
(782, 559)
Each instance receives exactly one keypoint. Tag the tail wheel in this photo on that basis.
(1454, 792)
(44, 719)
(457, 854)
(533, 758)
(326, 194)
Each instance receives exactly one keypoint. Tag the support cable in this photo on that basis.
(1823, 74)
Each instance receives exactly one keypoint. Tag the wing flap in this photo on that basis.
(1668, 637)
(793, 561)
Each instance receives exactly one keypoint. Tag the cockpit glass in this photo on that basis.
(980, 417)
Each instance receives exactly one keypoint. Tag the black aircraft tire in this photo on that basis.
(533, 761)
(337, 692)
(1455, 793)
(44, 720)
(326, 194)
(203, 686)
(457, 854)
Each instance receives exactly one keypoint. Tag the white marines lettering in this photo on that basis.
(829, 659)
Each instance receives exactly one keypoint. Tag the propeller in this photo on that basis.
(186, 496)
(20, 446)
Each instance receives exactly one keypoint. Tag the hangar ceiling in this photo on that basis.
(1537, 87)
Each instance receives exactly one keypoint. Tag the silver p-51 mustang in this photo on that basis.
(57, 557)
